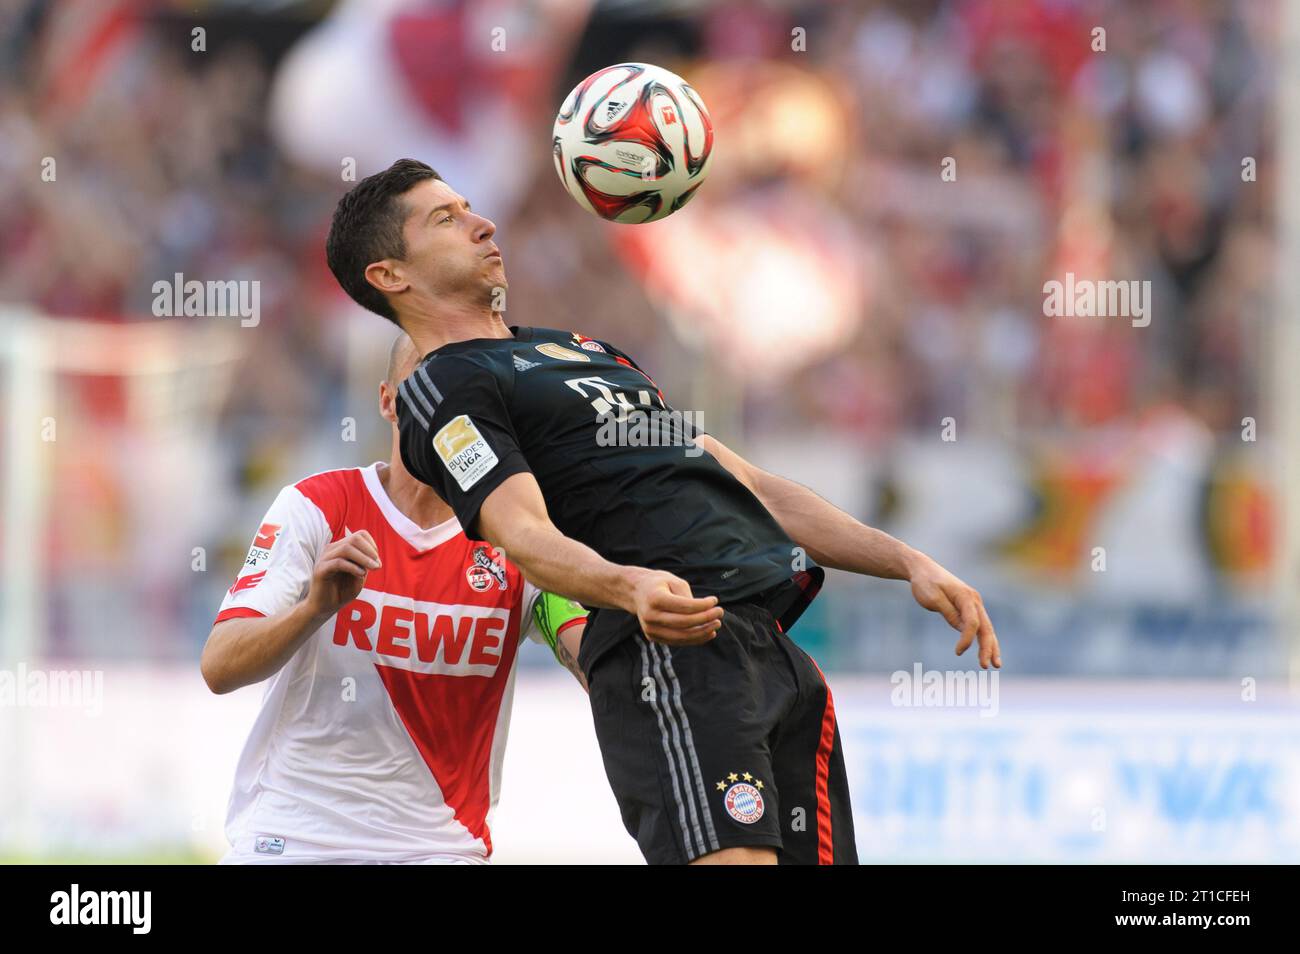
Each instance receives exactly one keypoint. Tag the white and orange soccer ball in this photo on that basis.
(632, 143)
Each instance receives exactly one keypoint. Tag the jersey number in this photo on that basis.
(608, 401)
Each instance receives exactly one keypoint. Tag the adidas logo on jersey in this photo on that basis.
(523, 364)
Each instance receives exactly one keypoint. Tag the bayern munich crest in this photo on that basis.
(587, 344)
(743, 800)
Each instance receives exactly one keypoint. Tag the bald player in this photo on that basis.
(387, 642)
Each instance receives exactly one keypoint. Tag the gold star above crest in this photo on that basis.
(722, 786)
(760, 783)
(747, 777)
(733, 777)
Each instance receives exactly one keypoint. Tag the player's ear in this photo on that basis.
(387, 403)
(386, 276)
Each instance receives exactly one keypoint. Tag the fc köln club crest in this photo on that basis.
(485, 567)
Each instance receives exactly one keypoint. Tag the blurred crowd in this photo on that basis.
(1113, 153)
(1145, 151)
(1125, 161)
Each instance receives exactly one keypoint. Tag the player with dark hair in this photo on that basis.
(716, 725)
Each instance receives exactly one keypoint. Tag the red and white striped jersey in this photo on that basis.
(382, 737)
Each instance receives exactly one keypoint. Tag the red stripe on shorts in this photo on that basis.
(825, 846)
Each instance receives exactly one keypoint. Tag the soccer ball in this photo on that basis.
(632, 143)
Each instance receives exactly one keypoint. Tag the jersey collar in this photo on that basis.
(517, 332)
(422, 538)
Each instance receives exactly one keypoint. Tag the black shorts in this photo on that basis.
(729, 744)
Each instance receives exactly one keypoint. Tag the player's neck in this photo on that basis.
(431, 328)
(415, 500)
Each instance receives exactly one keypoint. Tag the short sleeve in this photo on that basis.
(277, 571)
(528, 628)
(456, 434)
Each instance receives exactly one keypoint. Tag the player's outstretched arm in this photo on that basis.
(834, 539)
(243, 651)
(513, 519)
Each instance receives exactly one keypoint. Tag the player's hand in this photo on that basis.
(669, 614)
(340, 573)
(961, 605)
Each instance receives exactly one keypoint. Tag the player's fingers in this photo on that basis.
(683, 620)
(671, 603)
(360, 541)
(370, 556)
(352, 565)
(676, 637)
(677, 585)
(364, 542)
(967, 604)
(989, 647)
(359, 556)
(943, 606)
(340, 565)
(704, 630)
(990, 652)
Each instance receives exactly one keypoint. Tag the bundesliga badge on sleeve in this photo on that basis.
(464, 451)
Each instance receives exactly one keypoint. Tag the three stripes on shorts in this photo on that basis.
(679, 749)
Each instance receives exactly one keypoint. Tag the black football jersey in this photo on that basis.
(615, 462)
